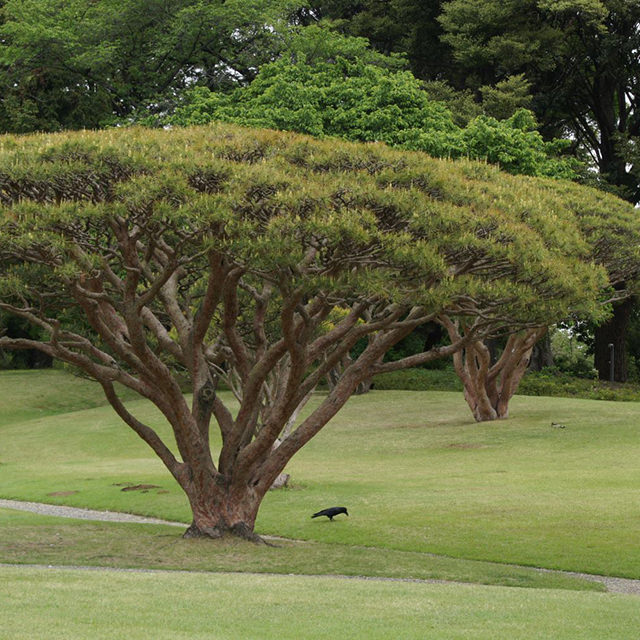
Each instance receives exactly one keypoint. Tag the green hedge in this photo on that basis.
(556, 383)
(419, 380)
(545, 383)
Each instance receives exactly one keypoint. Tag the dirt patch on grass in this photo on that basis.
(62, 493)
(129, 486)
(140, 487)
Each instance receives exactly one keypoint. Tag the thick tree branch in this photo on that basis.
(145, 432)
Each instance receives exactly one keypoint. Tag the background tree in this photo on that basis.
(157, 238)
(612, 229)
(581, 59)
(488, 383)
(408, 27)
(67, 64)
(328, 85)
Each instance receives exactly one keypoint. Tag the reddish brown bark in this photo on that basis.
(219, 510)
(273, 381)
(488, 387)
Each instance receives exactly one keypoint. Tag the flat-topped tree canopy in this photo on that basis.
(265, 257)
(611, 228)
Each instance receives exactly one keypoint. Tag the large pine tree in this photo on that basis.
(263, 258)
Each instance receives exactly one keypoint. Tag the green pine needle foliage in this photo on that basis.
(401, 226)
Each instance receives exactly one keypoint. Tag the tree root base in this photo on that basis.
(489, 417)
(239, 530)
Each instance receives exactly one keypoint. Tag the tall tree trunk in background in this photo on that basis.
(614, 333)
(541, 356)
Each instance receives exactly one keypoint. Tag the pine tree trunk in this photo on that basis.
(488, 387)
(219, 510)
(477, 398)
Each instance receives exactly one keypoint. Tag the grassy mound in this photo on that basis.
(417, 474)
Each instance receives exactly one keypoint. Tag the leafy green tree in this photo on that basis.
(506, 97)
(338, 92)
(78, 63)
(580, 57)
(183, 249)
(408, 27)
(516, 146)
(462, 104)
(412, 28)
(570, 354)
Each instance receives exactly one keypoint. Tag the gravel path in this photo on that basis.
(82, 514)
(613, 585)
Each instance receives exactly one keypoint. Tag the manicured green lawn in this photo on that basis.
(419, 478)
(415, 471)
(75, 605)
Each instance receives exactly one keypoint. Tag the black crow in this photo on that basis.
(330, 512)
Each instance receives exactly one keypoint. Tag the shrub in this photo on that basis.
(571, 355)
(419, 380)
(548, 382)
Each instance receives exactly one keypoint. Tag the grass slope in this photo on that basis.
(74, 605)
(415, 471)
(25, 395)
(27, 538)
